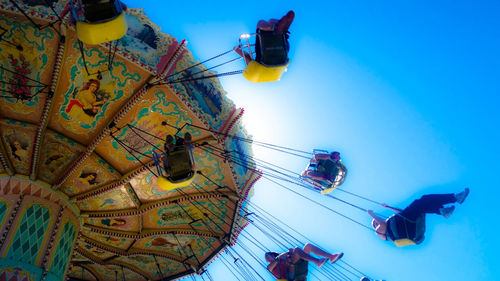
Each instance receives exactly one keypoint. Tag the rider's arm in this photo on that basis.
(381, 227)
(272, 265)
(397, 210)
(375, 217)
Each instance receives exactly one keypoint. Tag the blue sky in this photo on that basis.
(407, 91)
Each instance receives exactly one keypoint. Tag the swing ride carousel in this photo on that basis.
(79, 125)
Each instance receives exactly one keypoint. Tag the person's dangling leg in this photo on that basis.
(243, 54)
(284, 23)
(266, 25)
(428, 204)
(298, 254)
(310, 248)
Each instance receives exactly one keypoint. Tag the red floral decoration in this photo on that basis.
(19, 87)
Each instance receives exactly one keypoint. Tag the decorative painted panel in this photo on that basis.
(25, 71)
(205, 96)
(148, 264)
(94, 251)
(57, 153)
(93, 173)
(180, 244)
(81, 273)
(117, 199)
(18, 139)
(4, 210)
(30, 235)
(17, 274)
(63, 250)
(110, 271)
(131, 223)
(86, 101)
(117, 242)
(181, 215)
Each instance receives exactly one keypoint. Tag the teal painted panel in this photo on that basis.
(25, 246)
(61, 256)
(3, 211)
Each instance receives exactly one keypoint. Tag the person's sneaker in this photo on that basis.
(462, 195)
(447, 211)
(285, 22)
(336, 257)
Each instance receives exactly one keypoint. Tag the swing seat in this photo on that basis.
(404, 242)
(329, 167)
(271, 57)
(179, 166)
(299, 270)
(97, 33)
(403, 239)
(258, 73)
(168, 184)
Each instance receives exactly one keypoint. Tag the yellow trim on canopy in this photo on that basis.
(97, 33)
(256, 72)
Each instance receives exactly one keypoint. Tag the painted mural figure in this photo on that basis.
(87, 102)
(19, 151)
(54, 161)
(88, 178)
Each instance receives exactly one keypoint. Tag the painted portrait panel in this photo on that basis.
(56, 154)
(85, 100)
(93, 173)
(18, 140)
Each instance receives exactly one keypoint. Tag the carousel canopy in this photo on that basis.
(83, 120)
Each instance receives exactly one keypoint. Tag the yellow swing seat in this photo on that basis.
(257, 73)
(404, 242)
(97, 33)
(402, 239)
(166, 184)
